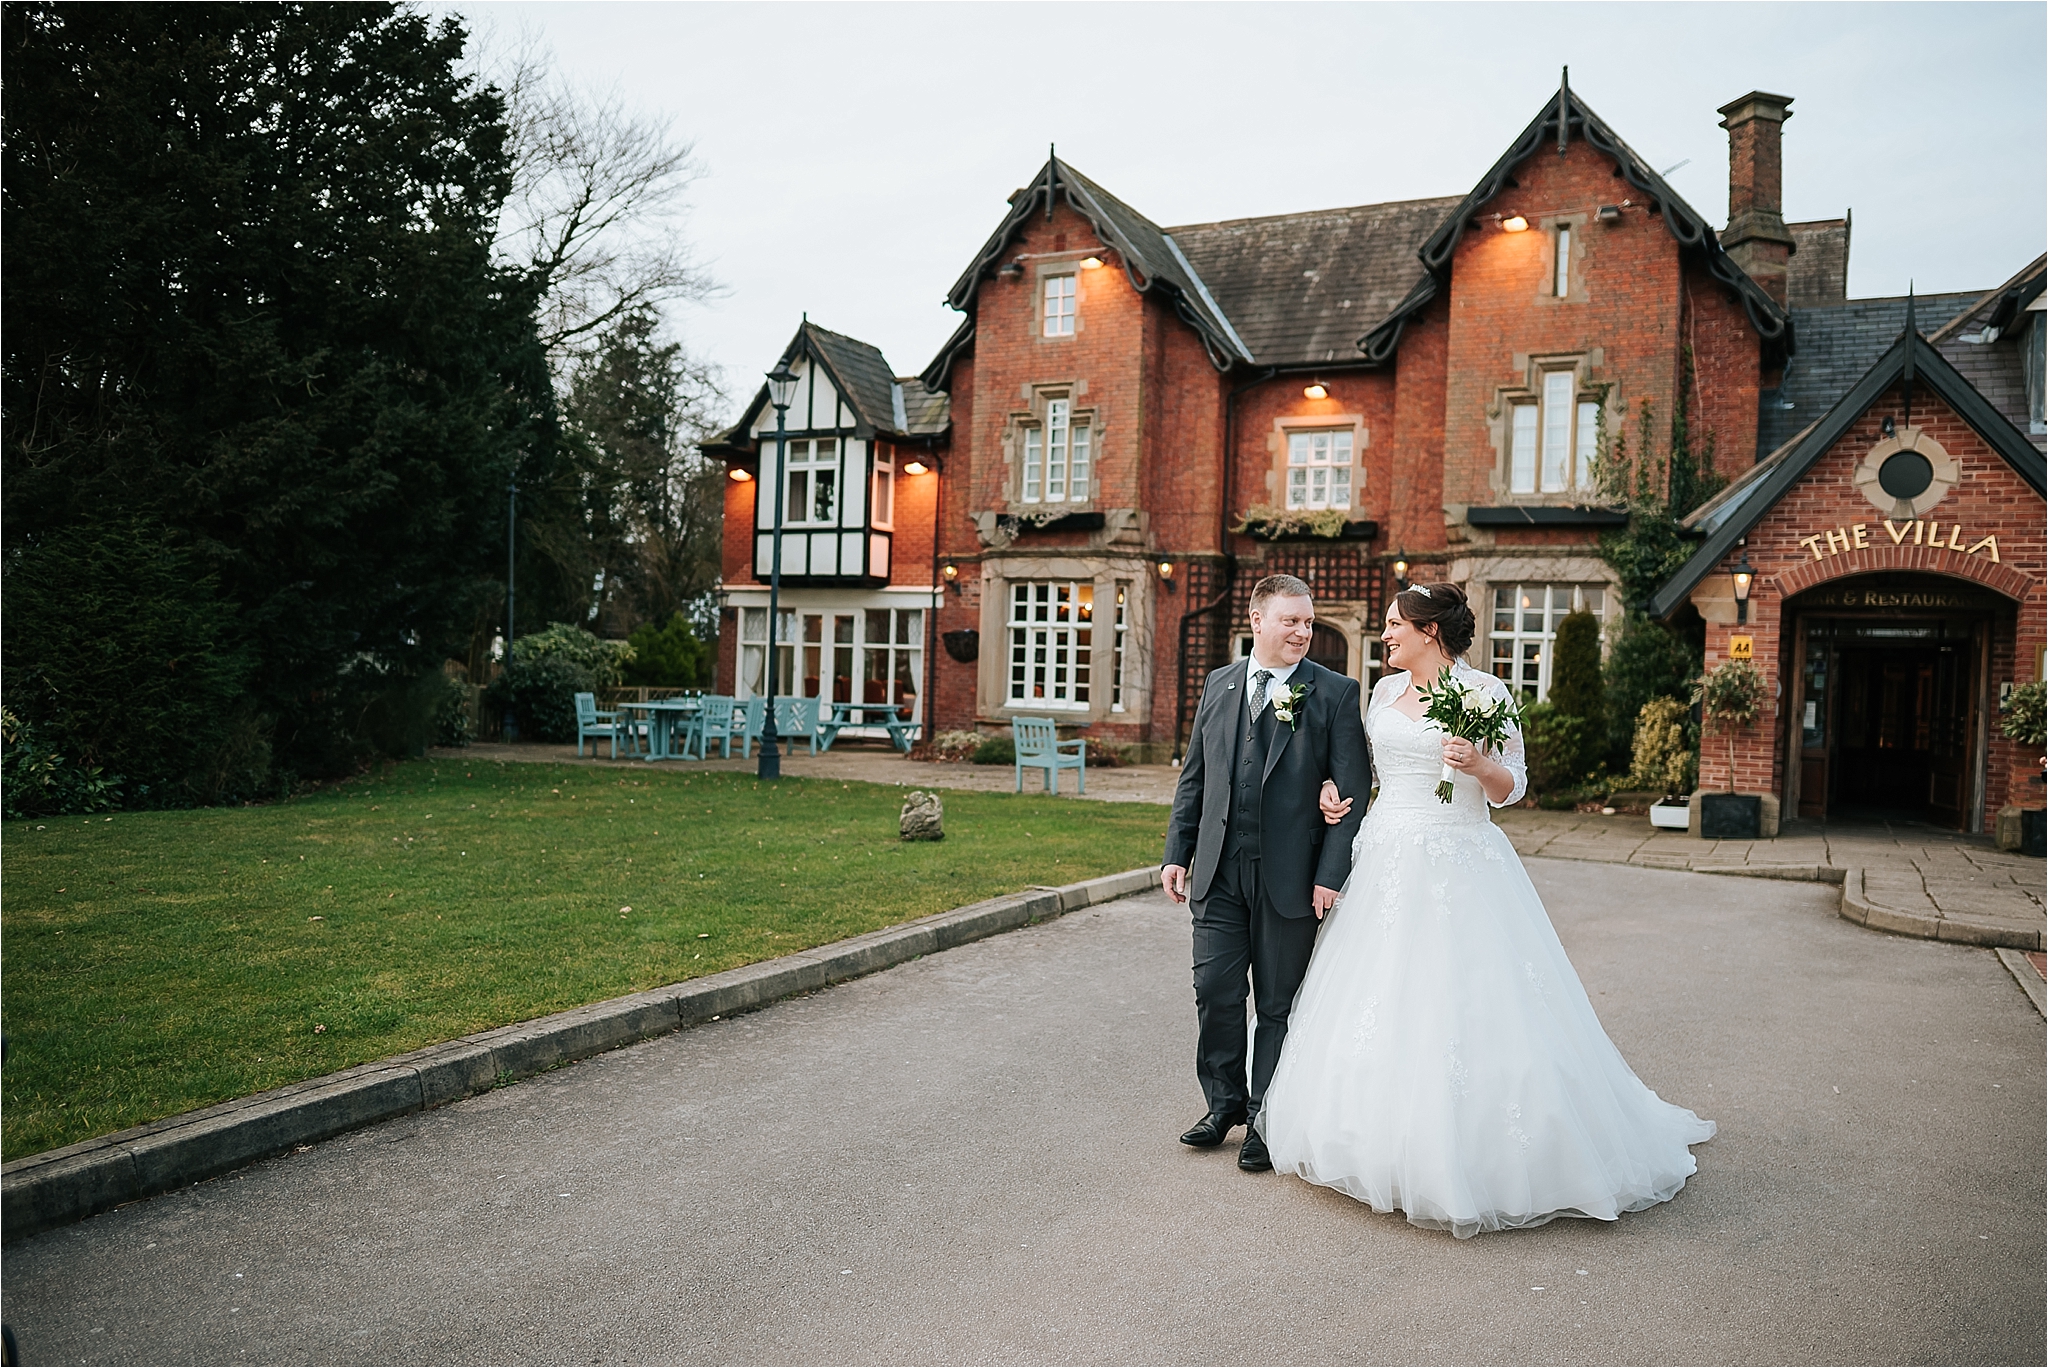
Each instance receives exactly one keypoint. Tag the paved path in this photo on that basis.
(971, 1158)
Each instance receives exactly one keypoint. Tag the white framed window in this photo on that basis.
(870, 655)
(812, 497)
(1561, 281)
(1058, 456)
(753, 681)
(1525, 618)
(892, 660)
(1553, 438)
(1059, 306)
(1123, 626)
(1052, 640)
(882, 502)
(1319, 469)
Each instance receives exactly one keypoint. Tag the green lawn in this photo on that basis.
(161, 961)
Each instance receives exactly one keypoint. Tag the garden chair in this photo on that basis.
(593, 724)
(796, 719)
(746, 725)
(1039, 747)
(712, 724)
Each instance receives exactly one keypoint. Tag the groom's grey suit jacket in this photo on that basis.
(1297, 849)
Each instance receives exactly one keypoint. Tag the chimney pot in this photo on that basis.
(1756, 237)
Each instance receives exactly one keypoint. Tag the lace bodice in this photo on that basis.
(1408, 755)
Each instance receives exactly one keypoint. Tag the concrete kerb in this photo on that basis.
(66, 1185)
(1857, 907)
(2027, 976)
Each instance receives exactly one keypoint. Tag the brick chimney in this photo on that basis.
(1755, 236)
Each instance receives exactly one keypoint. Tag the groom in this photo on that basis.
(1248, 844)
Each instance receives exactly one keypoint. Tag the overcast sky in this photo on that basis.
(856, 155)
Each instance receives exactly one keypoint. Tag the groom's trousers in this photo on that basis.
(1236, 929)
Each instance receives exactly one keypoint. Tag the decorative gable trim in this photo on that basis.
(1560, 119)
(1910, 357)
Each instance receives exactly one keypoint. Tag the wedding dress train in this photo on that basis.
(1442, 1058)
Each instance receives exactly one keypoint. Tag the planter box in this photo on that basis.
(1730, 816)
(1670, 816)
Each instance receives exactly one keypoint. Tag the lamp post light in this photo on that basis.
(781, 389)
(1744, 575)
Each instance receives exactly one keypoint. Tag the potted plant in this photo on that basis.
(1729, 698)
(2023, 716)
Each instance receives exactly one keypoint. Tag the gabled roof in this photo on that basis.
(1987, 342)
(1561, 118)
(1150, 258)
(1729, 516)
(1837, 344)
(882, 404)
(1297, 287)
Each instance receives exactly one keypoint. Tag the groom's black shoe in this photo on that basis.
(1253, 1157)
(1212, 1130)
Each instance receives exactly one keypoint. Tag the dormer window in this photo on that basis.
(1058, 454)
(1059, 306)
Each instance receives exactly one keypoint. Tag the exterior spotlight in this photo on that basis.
(1744, 575)
(1093, 263)
(1315, 389)
(1514, 223)
(740, 473)
(915, 467)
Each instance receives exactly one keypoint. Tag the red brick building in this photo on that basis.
(1064, 513)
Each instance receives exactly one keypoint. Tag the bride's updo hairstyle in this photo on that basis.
(1442, 612)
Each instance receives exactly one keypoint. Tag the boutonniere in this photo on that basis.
(1287, 706)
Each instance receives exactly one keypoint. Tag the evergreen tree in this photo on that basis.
(1575, 684)
(251, 300)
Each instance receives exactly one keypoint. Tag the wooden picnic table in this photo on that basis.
(900, 728)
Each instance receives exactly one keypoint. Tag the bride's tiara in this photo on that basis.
(1421, 589)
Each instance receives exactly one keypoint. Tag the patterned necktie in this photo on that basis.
(1259, 678)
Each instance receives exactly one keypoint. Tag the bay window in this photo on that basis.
(1058, 456)
(813, 492)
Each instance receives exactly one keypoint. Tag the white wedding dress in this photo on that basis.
(1442, 1057)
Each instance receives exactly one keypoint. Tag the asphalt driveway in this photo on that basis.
(972, 1158)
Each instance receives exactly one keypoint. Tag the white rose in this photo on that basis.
(1475, 697)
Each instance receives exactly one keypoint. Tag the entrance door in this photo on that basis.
(1328, 649)
(1887, 719)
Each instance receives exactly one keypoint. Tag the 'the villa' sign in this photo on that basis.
(1835, 540)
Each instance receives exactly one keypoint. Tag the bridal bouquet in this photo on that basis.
(1467, 711)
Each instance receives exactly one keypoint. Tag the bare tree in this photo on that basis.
(598, 199)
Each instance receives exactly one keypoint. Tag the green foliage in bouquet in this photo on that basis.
(1467, 711)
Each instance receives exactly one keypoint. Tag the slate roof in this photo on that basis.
(1730, 515)
(1818, 273)
(1299, 288)
(1149, 258)
(882, 404)
(1998, 367)
(1837, 344)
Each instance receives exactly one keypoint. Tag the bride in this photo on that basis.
(1442, 1057)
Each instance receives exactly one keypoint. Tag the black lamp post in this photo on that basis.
(781, 389)
(1744, 575)
(510, 722)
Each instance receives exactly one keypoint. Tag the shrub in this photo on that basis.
(1554, 741)
(600, 661)
(995, 750)
(1663, 758)
(540, 691)
(454, 721)
(36, 781)
(1575, 688)
(1649, 660)
(122, 658)
(2021, 715)
(670, 657)
(955, 745)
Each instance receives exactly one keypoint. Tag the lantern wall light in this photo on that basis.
(1744, 575)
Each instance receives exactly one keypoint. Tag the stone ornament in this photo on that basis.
(923, 817)
(1906, 474)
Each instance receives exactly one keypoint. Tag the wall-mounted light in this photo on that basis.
(915, 467)
(1888, 427)
(1744, 575)
(952, 576)
(740, 473)
(1514, 223)
(1315, 389)
(1091, 263)
(1166, 573)
(1011, 268)
(1609, 213)
(1401, 571)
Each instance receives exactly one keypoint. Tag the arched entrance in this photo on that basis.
(1329, 649)
(1890, 707)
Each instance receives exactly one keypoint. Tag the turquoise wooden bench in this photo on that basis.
(1039, 747)
(796, 721)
